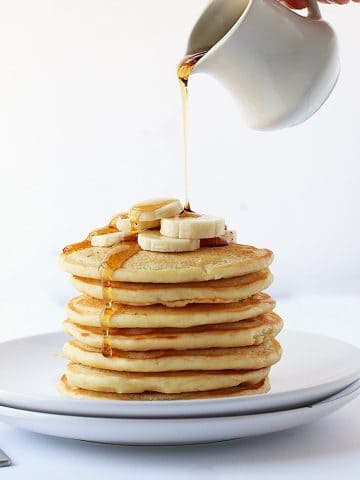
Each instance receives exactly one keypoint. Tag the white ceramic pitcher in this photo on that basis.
(279, 65)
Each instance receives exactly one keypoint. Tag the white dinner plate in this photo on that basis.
(312, 368)
(172, 431)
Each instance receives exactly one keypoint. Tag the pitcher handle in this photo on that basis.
(313, 10)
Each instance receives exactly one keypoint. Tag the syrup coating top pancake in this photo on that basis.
(207, 263)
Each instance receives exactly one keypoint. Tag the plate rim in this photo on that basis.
(352, 392)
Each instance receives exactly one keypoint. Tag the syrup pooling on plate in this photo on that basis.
(113, 260)
(183, 72)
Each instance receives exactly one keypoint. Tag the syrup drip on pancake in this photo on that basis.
(114, 260)
(87, 242)
(183, 72)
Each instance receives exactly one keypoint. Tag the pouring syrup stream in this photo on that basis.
(183, 72)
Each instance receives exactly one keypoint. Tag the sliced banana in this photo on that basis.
(154, 210)
(107, 239)
(123, 224)
(193, 227)
(145, 215)
(155, 242)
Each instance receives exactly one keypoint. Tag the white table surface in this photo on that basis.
(329, 448)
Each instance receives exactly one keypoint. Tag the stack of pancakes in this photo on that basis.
(183, 325)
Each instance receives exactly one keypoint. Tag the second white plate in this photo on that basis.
(312, 368)
(172, 431)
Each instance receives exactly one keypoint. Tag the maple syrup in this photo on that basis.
(214, 242)
(87, 242)
(116, 257)
(113, 260)
(143, 207)
(119, 254)
(183, 72)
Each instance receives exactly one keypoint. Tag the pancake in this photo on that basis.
(65, 388)
(207, 263)
(236, 334)
(85, 310)
(179, 295)
(242, 358)
(165, 382)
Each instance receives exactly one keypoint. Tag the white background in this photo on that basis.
(90, 122)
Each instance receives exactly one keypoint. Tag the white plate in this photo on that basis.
(172, 431)
(313, 367)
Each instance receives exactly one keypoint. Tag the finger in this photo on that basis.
(297, 4)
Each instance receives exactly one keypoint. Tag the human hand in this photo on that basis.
(304, 3)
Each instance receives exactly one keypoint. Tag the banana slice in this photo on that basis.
(145, 215)
(150, 212)
(155, 242)
(123, 224)
(193, 227)
(107, 239)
